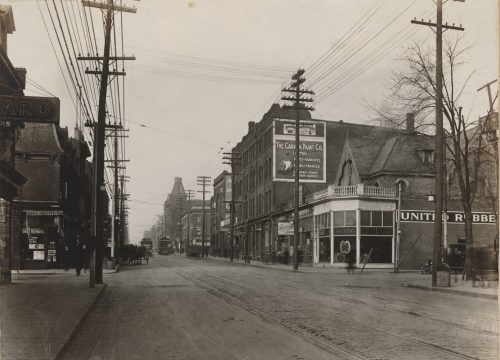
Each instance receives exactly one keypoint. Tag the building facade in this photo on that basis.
(220, 215)
(364, 193)
(12, 82)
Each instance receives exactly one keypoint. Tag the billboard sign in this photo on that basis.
(31, 109)
(312, 151)
(285, 228)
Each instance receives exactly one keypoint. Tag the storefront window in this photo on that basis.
(376, 236)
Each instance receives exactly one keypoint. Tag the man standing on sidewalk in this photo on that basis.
(79, 255)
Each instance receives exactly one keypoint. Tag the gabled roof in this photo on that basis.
(38, 139)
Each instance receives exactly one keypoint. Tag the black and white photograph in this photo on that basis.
(249, 180)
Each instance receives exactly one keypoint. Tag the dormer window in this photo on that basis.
(426, 156)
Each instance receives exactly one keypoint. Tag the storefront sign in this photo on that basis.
(306, 212)
(285, 228)
(38, 255)
(29, 109)
(312, 151)
(32, 246)
(452, 217)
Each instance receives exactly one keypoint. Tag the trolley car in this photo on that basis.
(147, 243)
(165, 246)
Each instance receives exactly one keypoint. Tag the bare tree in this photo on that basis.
(415, 91)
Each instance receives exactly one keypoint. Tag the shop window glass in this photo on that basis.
(388, 218)
(338, 218)
(365, 218)
(380, 247)
(350, 218)
(376, 218)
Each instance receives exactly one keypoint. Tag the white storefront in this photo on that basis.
(355, 220)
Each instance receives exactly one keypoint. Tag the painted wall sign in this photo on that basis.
(285, 228)
(452, 217)
(312, 151)
(29, 109)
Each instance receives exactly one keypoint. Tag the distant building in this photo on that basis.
(173, 209)
(220, 215)
(192, 223)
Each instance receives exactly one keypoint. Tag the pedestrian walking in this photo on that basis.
(79, 256)
(66, 257)
(351, 262)
(286, 254)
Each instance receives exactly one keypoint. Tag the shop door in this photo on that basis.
(324, 249)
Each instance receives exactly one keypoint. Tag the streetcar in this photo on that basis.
(194, 248)
(165, 246)
(147, 243)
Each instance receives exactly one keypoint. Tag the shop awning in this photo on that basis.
(43, 212)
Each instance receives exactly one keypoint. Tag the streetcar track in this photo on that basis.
(358, 290)
(304, 329)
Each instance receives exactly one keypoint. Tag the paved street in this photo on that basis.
(183, 308)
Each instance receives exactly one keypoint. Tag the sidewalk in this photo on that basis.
(410, 279)
(42, 310)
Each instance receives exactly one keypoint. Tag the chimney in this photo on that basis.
(410, 122)
(251, 126)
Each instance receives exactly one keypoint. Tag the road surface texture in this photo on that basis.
(180, 308)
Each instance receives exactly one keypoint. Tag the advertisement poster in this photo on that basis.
(312, 151)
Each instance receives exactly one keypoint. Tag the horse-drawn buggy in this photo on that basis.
(132, 254)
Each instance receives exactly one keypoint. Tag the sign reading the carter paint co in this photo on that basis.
(452, 217)
(29, 109)
(312, 151)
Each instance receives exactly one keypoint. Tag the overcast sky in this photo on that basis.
(205, 68)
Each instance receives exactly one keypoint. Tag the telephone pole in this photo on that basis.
(297, 102)
(100, 188)
(203, 181)
(233, 159)
(190, 194)
(440, 143)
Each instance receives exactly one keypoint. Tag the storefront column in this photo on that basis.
(358, 235)
(314, 239)
(331, 238)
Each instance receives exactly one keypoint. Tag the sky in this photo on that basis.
(205, 68)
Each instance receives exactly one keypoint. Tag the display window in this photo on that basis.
(377, 230)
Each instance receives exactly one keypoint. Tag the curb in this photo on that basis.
(451, 291)
(78, 326)
(270, 266)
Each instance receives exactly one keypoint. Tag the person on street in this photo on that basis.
(351, 262)
(66, 257)
(79, 256)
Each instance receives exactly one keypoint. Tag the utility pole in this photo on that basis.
(116, 196)
(190, 194)
(100, 130)
(123, 221)
(233, 159)
(297, 103)
(440, 143)
(179, 201)
(203, 181)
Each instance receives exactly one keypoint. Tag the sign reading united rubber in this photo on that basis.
(451, 217)
(31, 109)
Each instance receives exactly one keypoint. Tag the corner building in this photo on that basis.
(353, 178)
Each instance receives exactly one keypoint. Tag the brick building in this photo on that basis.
(192, 223)
(12, 82)
(220, 215)
(350, 190)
